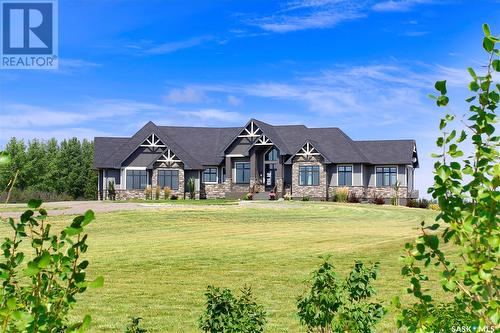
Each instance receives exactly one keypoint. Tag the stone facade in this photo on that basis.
(130, 194)
(154, 180)
(313, 192)
(369, 193)
(213, 191)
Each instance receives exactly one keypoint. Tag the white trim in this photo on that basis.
(352, 173)
(252, 131)
(362, 166)
(308, 150)
(123, 176)
(170, 158)
(263, 140)
(235, 155)
(152, 142)
(385, 166)
(216, 175)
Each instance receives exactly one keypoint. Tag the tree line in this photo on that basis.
(49, 168)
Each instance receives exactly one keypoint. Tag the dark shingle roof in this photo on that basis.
(203, 146)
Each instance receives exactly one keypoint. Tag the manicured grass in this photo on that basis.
(157, 263)
(210, 202)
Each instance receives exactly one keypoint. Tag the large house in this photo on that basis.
(228, 162)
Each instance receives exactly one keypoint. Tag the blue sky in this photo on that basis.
(365, 66)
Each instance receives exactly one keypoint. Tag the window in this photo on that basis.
(137, 179)
(168, 178)
(210, 175)
(309, 175)
(272, 155)
(386, 176)
(243, 172)
(345, 175)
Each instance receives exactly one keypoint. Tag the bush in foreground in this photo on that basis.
(336, 305)
(229, 314)
(38, 289)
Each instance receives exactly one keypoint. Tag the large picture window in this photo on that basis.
(168, 178)
(386, 176)
(137, 179)
(345, 175)
(210, 175)
(243, 172)
(309, 175)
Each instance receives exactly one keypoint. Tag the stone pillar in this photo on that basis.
(229, 174)
(253, 169)
(279, 177)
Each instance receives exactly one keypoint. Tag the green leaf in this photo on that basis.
(88, 217)
(432, 241)
(4, 158)
(442, 101)
(441, 87)
(473, 86)
(32, 269)
(488, 44)
(97, 283)
(472, 73)
(44, 260)
(34, 203)
(71, 231)
(496, 65)
(486, 30)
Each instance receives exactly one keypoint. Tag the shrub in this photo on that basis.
(23, 196)
(353, 198)
(336, 305)
(412, 203)
(111, 190)
(467, 192)
(174, 197)
(341, 194)
(148, 193)
(191, 185)
(167, 191)
(423, 203)
(306, 198)
(378, 200)
(38, 289)
(157, 193)
(226, 313)
(434, 206)
(134, 326)
(272, 196)
(287, 197)
(248, 196)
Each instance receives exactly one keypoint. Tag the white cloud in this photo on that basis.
(309, 14)
(186, 95)
(177, 45)
(233, 100)
(71, 65)
(398, 6)
(213, 115)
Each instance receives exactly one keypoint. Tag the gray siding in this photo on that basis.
(369, 175)
(357, 174)
(240, 146)
(142, 157)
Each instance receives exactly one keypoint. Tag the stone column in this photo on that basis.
(279, 177)
(229, 174)
(253, 169)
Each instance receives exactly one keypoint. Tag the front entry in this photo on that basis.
(270, 176)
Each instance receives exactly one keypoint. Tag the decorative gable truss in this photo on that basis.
(308, 151)
(153, 142)
(263, 141)
(169, 158)
(251, 131)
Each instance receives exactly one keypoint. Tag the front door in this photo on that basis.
(270, 169)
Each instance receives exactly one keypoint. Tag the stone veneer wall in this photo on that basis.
(372, 192)
(154, 181)
(130, 194)
(314, 192)
(213, 191)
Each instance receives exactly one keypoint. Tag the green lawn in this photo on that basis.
(157, 263)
